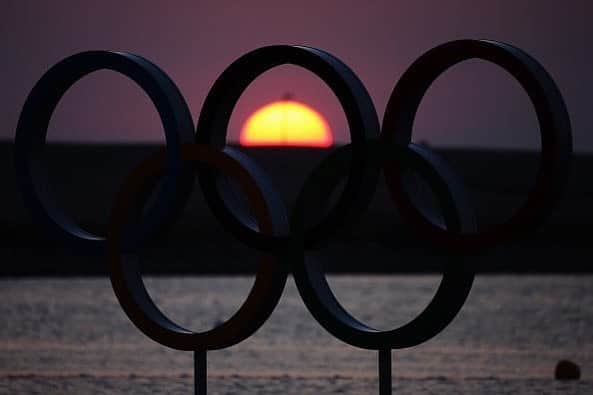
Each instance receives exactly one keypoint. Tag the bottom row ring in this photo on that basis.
(275, 266)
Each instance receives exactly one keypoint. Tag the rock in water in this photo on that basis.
(567, 370)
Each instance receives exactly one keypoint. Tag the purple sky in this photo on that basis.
(474, 104)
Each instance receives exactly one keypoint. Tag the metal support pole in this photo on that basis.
(385, 372)
(200, 373)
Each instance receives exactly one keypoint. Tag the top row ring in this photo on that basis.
(364, 127)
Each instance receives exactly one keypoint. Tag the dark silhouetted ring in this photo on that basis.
(127, 281)
(555, 130)
(360, 114)
(359, 162)
(32, 129)
(457, 277)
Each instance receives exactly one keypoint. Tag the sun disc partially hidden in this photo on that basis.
(286, 123)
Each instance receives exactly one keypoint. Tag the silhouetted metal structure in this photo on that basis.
(284, 237)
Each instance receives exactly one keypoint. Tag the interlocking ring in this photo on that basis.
(555, 131)
(285, 239)
(457, 276)
(127, 281)
(360, 114)
(32, 129)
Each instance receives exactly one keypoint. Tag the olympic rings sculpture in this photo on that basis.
(284, 237)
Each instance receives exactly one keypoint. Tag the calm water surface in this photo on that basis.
(69, 336)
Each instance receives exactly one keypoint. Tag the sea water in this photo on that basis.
(69, 336)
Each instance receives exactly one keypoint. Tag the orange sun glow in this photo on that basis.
(286, 123)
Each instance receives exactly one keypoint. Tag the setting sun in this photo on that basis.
(286, 123)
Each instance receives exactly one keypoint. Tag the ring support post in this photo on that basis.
(200, 373)
(385, 371)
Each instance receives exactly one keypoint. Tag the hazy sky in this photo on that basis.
(474, 104)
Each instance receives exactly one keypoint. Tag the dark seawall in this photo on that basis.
(87, 177)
